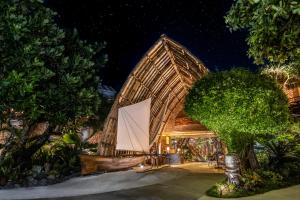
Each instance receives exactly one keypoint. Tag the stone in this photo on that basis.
(36, 170)
(47, 167)
(51, 177)
(9, 184)
(43, 182)
(29, 178)
(34, 182)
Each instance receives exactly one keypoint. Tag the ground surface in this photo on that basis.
(183, 183)
(187, 180)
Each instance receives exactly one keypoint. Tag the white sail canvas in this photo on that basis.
(133, 127)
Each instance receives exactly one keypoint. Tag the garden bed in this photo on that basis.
(31, 181)
(252, 183)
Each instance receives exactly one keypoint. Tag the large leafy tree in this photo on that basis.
(46, 75)
(274, 29)
(241, 107)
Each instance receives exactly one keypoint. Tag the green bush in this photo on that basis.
(241, 107)
(227, 190)
(263, 159)
(284, 154)
(62, 155)
(271, 178)
(251, 181)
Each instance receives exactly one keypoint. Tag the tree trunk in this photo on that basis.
(248, 158)
(23, 154)
(23, 149)
(252, 159)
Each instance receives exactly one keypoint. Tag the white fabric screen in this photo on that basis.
(133, 127)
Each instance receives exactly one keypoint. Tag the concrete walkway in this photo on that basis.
(183, 182)
(115, 182)
(90, 185)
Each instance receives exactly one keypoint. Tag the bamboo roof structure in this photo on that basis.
(165, 74)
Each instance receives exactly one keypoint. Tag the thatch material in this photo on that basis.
(165, 73)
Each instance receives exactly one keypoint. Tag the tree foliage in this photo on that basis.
(274, 29)
(46, 75)
(238, 104)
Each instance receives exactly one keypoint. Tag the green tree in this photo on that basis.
(240, 106)
(274, 29)
(46, 75)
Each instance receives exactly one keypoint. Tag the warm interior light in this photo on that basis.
(167, 140)
(168, 149)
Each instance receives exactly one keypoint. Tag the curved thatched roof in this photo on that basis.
(165, 73)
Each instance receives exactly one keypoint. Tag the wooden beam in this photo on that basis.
(163, 77)
(174, 64)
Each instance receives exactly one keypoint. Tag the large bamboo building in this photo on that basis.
(165, 74)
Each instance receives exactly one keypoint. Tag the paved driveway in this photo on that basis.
(190, 182)
(183, 182)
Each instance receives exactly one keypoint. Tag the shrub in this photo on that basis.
(62, 155)
(284, 154)
(262, 157)
(251, 181)
(271, 178)
(240, 106)
(225, 188)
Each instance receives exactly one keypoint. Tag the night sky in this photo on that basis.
(130, 27)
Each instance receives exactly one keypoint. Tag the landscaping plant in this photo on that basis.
(241, 107)
(273, 38)
(273, 27)
(284, 154)
(47, 76)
